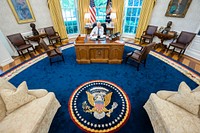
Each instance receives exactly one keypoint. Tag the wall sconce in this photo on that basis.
(113, 15)
(87, 16)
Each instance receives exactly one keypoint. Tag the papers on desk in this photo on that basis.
(95, 37)
(83, 35)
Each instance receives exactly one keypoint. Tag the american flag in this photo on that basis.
(92, 11)
(108, 10)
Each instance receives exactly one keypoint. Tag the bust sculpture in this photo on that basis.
(168, 28)
(35, 32)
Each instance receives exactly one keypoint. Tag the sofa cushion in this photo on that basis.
(27, 118)
(185, 99)
(174, 119)
(165, 94)
(38, 93)
(15, 99)
(4, 84)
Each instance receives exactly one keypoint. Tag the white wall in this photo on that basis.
(191, 23)
(9, 25)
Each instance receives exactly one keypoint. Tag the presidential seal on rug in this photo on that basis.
(99, 106)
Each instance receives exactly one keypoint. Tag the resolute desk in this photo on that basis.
(88, 51)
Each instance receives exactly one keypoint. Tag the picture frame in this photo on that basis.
(178, 8)
(22, 11)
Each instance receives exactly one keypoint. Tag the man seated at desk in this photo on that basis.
(97, 30)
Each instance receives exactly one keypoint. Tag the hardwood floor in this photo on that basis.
(188, 61)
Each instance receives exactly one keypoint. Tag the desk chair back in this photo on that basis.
(185, 37)
(50, 31)
(17, 40)
(145, 51)
(56, 52)
(151, 29)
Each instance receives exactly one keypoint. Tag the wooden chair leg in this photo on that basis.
(180, 52)
(126, 59)
(63, 58)
(23, 54)
(28, 52)
(18, 53)
(168, 48)
(33, 49)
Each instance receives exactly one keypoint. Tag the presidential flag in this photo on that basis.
(92, 9)
(108, 10)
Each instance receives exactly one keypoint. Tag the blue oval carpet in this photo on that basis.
(63, 78)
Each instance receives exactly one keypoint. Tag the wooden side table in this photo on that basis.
(162, 38)
(36, 38)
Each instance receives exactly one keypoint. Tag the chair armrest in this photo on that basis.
(38, 93)
(26, 40)
(129, 54)
(57, 33)
(137, 52)
(144, 32)
(58, 50)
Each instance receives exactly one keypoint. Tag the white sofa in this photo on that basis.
(167, 117)
(33, 117)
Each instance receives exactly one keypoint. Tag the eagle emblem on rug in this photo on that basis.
(99, 98)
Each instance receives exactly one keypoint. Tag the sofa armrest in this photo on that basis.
(38, 93)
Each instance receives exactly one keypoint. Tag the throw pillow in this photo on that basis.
(185, 99)
(15, 99)
(163, 94)
(2, 109)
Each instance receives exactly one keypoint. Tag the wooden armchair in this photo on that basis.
(52, 53)
(20, 43)
(140, 56)
(183, 40)
(52, 35)
(148, 34)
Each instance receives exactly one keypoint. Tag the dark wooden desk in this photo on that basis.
(107, 51)
(162, 38)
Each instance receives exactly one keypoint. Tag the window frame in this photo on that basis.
(126, 6)
(75, 8)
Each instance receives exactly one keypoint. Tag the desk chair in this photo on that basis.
(148, 34)
(52, 35)
(102, 24)
(140, 56)
(52, 53)
(20, 43)
(182, 42)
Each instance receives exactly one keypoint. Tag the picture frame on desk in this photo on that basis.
(22, 11)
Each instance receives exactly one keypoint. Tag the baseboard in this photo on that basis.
(5, 62)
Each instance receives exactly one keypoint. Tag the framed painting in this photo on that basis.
(178, 8)
(22, 11)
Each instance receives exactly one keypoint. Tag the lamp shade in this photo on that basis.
(87, 15)
(113, 15)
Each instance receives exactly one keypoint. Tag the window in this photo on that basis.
(69, 11)
(132, 14)
(100, 10)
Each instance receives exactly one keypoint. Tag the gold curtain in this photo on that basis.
(145, 15)
(57, 18)
(118, 7)
(83, 7)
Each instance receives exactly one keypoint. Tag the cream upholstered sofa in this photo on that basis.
(35, 116)
(175, 112)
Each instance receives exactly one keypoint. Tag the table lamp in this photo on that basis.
(87, 16)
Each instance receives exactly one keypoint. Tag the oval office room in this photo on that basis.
(127, 66)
